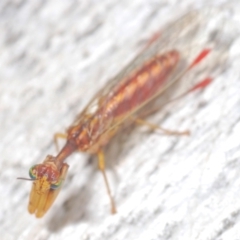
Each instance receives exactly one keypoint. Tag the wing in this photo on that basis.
(184, 34)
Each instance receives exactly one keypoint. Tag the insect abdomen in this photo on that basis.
(141, 86)
(126, 96)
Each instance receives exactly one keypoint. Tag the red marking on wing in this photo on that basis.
(199, 58)
(204, 83)
(154, 38)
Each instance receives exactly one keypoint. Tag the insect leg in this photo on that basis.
(200, 85)
(101, 165)
(156, 127)
(56, 137)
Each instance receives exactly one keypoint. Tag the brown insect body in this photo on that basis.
(132, 89)
(94, 127)
(125, 98)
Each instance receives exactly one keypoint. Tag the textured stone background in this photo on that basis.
(54, 55)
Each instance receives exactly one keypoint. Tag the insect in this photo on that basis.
(147, 77)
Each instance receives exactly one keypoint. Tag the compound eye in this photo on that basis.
(33, 172)
(56, 185)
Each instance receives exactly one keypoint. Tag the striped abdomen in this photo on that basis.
(128, 94)
(142, 85)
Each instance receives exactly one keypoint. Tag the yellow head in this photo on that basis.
(47, 182)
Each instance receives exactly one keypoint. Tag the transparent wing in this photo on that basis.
(185, 35)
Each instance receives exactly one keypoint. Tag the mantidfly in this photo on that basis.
(130, 91)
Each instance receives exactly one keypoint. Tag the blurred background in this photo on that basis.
(55, 55)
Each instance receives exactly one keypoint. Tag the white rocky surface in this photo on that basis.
(54, 55)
